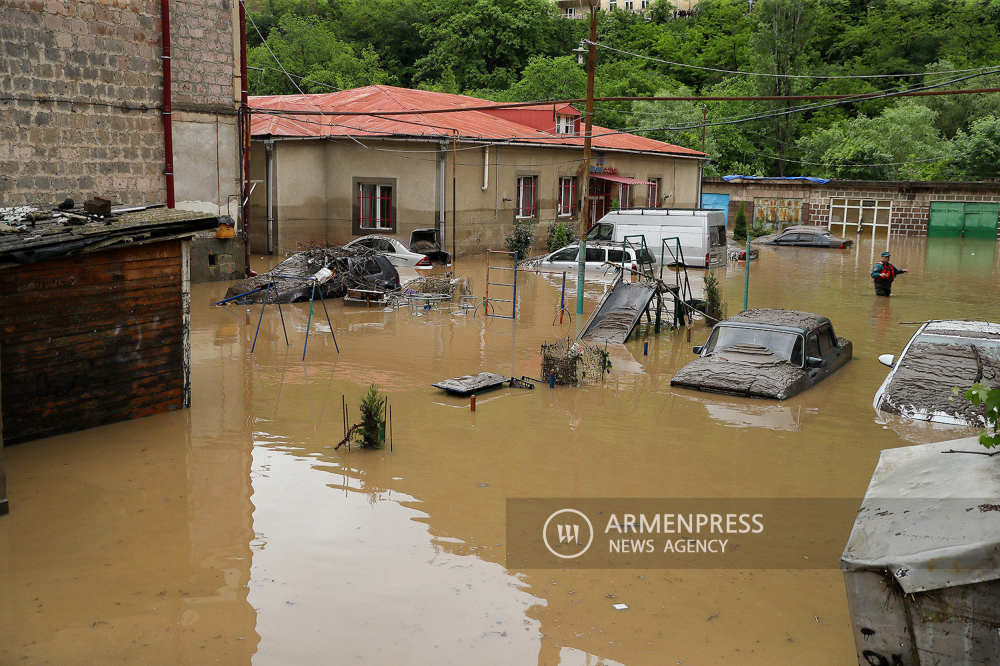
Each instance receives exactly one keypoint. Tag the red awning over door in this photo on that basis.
(620, 179)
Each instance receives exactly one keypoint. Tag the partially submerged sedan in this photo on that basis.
(806, 235)
(766, 353)
(940, 356)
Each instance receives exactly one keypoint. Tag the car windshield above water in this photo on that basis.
(783, 344)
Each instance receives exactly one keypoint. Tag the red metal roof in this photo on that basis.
(619, 179)
(469, 125)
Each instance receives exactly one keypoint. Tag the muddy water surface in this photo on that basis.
(234, 533)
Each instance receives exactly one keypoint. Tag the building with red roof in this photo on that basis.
(386, 160)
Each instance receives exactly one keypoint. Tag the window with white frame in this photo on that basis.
(624, 195)
(645, 3)
(374, 205)
(527, 196)
(857, 215)
(567, 196)
(653, 193)
(629, 5)
(612, 4)
(565, 125)
(569, 12)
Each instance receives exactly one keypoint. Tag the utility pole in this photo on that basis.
(585, 167)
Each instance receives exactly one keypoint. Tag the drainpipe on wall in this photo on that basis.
(168, 133)
(701, 176)
(244, 140)
(442, 202)
(269, 148)
(486, 167)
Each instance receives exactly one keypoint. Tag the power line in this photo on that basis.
(779, 76)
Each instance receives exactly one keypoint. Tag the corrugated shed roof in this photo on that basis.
(470, 125)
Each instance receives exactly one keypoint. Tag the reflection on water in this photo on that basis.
(234, 532)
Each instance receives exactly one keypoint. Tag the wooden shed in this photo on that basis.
(94, 318)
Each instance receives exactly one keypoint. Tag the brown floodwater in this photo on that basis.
(234, 533)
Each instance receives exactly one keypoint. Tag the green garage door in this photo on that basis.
(953, 219)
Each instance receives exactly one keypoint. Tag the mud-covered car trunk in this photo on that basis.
(427, 243)
(921, 386)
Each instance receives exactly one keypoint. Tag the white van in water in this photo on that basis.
(702, 233)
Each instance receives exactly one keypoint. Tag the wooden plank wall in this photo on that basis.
(92, 339)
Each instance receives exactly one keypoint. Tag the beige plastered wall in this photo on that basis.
(313, 188)
(206, 162)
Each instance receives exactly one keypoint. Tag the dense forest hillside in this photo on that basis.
(521, 50)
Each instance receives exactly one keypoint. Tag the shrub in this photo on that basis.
(559, 236)
(740, 225)
(521, 238)
(372, 409)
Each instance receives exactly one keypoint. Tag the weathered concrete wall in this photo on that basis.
(911, 200)
(216, 259)
(314, 188)
(81, 114)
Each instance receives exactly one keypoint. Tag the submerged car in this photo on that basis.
(601, 256)
(396, 252)
(766, 353)
(941, 355)
(804, 235)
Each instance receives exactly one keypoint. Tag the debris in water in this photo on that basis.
(620, 607)
(712, 616)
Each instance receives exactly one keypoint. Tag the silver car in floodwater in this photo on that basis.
(766, 353)
(940, 356)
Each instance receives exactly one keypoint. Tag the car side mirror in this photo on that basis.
(697, 350)
(814, 362)
(887, 359)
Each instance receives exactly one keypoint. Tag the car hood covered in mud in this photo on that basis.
(941, 356)
(745, 371)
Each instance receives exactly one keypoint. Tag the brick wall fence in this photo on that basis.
(81, 93)
(910, 200)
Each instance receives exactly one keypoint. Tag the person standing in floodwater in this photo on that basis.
(883, 273)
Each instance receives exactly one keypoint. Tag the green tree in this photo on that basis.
(781, 44)
(487, 43)
(901, 144)
(544, 78)
(977, 153)
(740, 224)
(315, 60)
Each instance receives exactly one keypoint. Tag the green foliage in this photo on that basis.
(521, 238)
(519, 50)
(981, 394)
(901, 144)
(759, 228)
(320, 62)
(712, 297)
(977, 154)
(487, 43)
(559, 235)
(372, 419)
(740, 225)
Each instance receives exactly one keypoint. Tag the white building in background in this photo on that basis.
(579, 8)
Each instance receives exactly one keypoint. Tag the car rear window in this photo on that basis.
(595, 254)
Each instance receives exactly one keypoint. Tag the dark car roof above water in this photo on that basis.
(781, 320)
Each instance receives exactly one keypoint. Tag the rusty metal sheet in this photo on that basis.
(777, 212)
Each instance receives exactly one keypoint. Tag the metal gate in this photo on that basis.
(963, 219)
(716, 202)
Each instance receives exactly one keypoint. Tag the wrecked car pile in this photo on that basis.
(334, 271)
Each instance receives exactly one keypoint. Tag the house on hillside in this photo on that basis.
(580, 8)
(336, 166)
(94, 107)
